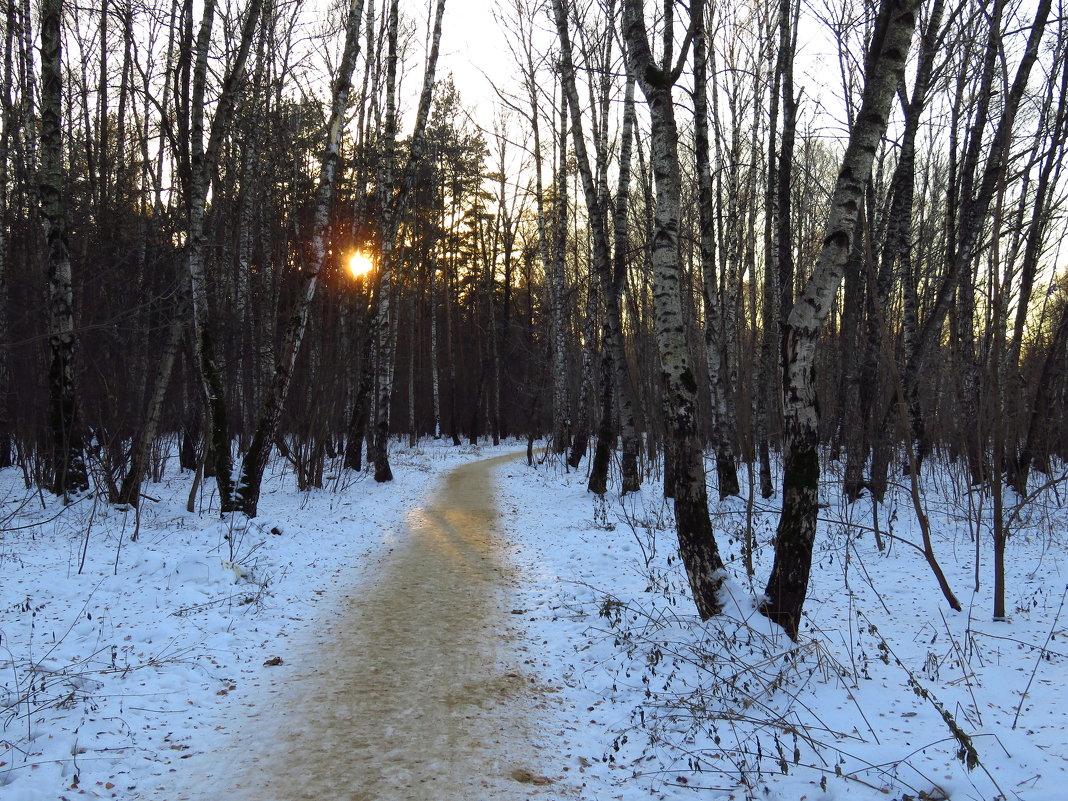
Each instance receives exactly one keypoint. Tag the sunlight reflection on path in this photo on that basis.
(414, 692)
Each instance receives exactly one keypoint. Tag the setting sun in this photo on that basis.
(360, 264)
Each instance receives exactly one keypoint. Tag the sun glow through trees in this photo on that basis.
(360, 264)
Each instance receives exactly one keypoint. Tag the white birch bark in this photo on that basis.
(393, 210)
(130, 490)
(69, 472)
(196, 173)
(608, 278)
(6, 126)
(715, 328)
(697, 545)
(29, 78)
(1038, 228)
(255, 460)
(884, 70)
(975, 208)
(555, 269)
(630, 478)
(558, 435)
(896, 257)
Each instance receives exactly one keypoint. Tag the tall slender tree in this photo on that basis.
(884, 69)
(196, 165)
(697, 544)
(69, 473)
(255, 460)
(723, 423)
(393, 210)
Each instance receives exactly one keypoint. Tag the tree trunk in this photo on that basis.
(130, 491)
(393, 211)
(609, 272)
(697, 545)
(1035, 448)
(435, 372)
(255, 460)
(1036, 240)
(974, 208)
(630, 478)
(357, 423)
(579, 427)
(69, 472)
(7, 125)
(896, 255)
(196, 169)
(715, 327)
(883, 71)
(556, 279)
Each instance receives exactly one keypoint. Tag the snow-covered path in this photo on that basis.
(412, 691)
(406, 641)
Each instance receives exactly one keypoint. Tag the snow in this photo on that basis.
(121, 679)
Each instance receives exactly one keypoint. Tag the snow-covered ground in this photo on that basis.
(120, 660)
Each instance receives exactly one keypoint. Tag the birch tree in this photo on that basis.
(69, 472)
(393, 210)
(7, 125)
(895, 256)
(196, 166)
(974, 206)
(715, 324)
(608, 272)
(883, 71)
(697, 544)
(255, 460)
(1052, 165)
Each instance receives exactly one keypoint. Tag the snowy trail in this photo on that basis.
(415, 691)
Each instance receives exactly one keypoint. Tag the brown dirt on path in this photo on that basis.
(415, 691)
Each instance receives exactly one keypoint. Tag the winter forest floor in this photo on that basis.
(484, 630)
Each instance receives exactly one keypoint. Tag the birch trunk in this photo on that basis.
(545, 255)
(393, 210)
(7, 124)
(251, 188)
(556, 267)
(579, 427)
(617, 393)
(883, 72)
(384, 354)
(1035, 450)
(69, 472)
(630, 478)
(697, 545)
(771, 311)
(357, 424)
(608, 276)
(715, 329)
(896, 256)
(1049, 177)
(102, 121)
(255, 460)
(196, 172)
(130, 491)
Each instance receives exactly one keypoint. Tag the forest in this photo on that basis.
(698, 244)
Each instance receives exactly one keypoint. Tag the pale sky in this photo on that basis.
(475, 51)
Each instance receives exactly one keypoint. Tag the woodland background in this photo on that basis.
(182, 185)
